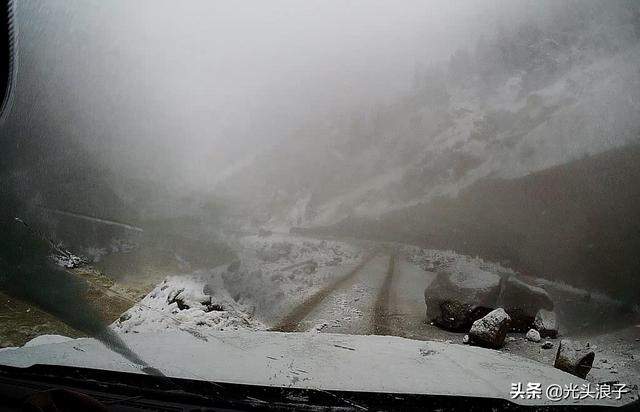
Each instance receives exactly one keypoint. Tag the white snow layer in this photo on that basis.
(314, 360)
(273, 274)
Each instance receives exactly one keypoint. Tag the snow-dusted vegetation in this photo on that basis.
(271, 275)
(196, 303)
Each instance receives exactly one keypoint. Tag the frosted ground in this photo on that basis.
(272, 275)
(275, 274)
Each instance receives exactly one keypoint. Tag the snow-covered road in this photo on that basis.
(350, 308)
(288, 283)
(383, 295)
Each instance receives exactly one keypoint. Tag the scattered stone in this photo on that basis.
(187, 299)
(427, 352)
(522, 302)
(491, 330)
(310, 268)
(456, 299)
(124, 317)
(546, 323)
(533, 335)
(547, 345)
(66, 259)
(465, 339)
(573, 359)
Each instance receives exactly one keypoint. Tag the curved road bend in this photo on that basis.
(382, 295)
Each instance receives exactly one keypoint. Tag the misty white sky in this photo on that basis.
(195, 86)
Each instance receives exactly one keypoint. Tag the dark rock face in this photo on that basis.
(547, 345)
(491, 330)
(455, 300)
(522, 302)
(457, 316)
(187, 300)
(574, 359)
(573, 193)
(546, 323)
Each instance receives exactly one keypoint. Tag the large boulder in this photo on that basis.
(456, 299)
(522, 302)
(573, 358)
(546, 323)
(491, 330)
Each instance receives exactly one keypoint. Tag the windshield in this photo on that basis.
(303, 183)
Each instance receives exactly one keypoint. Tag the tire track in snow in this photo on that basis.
(380, 324)
(291, 321)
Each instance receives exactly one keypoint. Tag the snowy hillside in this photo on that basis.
(479, 120)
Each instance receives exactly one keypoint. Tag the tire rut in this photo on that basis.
(291, 321)
(380, 324)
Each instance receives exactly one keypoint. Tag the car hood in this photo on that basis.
(312, 361)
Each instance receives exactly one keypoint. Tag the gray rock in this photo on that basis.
(310, 268)
(124, 317)
(465, 339)
(547, 345)
(572, 358)
(546, 323)
(533, 335)
(522, 302)
(456, 299)
(491, 330)
(187, 299)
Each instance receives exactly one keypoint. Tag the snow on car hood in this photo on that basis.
(312, 361)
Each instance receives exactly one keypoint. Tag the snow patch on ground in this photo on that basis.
(272, 275)
(46, 340)
(196, 302)
(433, 260)
(277, 272)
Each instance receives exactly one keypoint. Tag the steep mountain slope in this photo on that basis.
(578, 222)
(462, 123)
